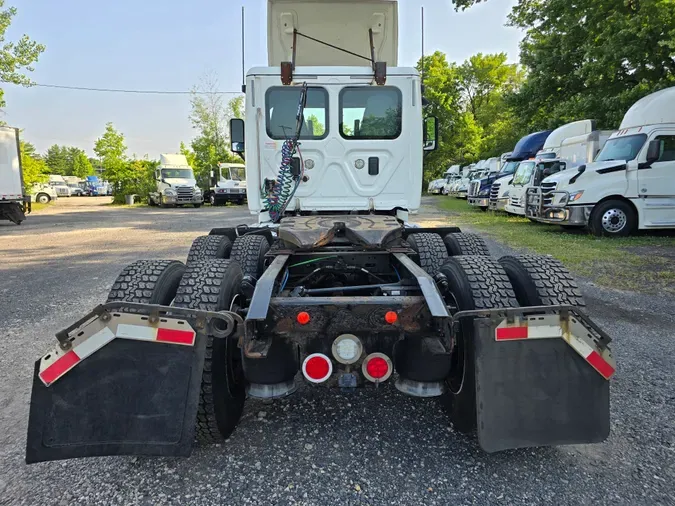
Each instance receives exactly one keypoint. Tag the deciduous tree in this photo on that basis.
(16, 58)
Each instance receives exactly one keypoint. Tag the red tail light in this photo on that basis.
(317, 368)
(377, 367)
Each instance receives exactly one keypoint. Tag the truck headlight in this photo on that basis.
(198, 191)
(484, 192)
(169, 192)
(506, 194)
(575, 196)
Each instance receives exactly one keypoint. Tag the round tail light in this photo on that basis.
(377, 367)
(317, 368)
(347, 349)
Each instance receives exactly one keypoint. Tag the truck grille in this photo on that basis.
(494, 192)
(473, 188)
(515, 201)
(184, 193)
(545, 188)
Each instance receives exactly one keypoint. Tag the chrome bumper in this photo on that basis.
(479, 201)
(498, 204)
(559, 213)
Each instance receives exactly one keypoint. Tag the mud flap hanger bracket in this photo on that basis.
(220, 324)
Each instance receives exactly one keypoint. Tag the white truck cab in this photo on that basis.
(462, 186)
(451, 176)
(60, 185)
(228, 184)
(175, 183)
(631, 183)
(568, 146)
(529, 174)
(479, 188)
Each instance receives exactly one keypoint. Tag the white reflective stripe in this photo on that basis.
(138, 332)
(94, 343)
(535, 331)
(580, 346)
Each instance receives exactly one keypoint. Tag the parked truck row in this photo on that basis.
(613, 182)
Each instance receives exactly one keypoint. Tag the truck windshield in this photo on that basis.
(236, 174)
(523, 174)
(177, 174)
(508, 168)
(622, 148)
(370, 113)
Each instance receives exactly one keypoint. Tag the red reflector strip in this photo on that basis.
(600, 365)
(175, 336)
(506, 333)
(64, 364)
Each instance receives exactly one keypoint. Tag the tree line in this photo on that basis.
(587, 59)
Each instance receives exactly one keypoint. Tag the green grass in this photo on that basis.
(37, 207)
(642, 263)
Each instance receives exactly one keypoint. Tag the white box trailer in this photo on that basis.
(13, 203)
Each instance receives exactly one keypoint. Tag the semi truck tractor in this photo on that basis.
(14, 204)
(566, 147)
(228, 184)
(452, 175)
(629, 186)
(332, 287)
(491, 196)
(479, 188)
(175, 183)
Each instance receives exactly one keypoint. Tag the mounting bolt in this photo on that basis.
(105, 316)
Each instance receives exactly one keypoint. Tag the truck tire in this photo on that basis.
(213, 285)
(206, 247)
(473, 282)
(148, 282)
(250, 251)
(459, 243)
(43, 198)
(431, 250)
(541, 281)
(613, 218)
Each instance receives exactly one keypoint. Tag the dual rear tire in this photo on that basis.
(210, 285)
(481, 282)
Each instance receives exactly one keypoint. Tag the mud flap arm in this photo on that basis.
(125, 384)
(541, 380)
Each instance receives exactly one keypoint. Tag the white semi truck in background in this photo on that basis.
(566, 147)
(227, 184)
(175, 183)
(332, 286)
(14, 204)
(629, 186)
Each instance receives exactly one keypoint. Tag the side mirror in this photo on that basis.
(237, 138)
(213, 174)
(430, 138)
(653, 152)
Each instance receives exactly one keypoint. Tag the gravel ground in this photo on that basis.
(316, 447)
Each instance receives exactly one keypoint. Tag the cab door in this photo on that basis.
(656, 185)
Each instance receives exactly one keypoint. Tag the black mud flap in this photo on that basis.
(129, 398)
(536, 392)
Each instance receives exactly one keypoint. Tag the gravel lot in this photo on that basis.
(316, 447)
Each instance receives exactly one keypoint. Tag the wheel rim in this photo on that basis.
(212, 200)
(42, 199)
(614, 220)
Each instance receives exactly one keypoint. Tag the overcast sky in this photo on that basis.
(168, 45)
